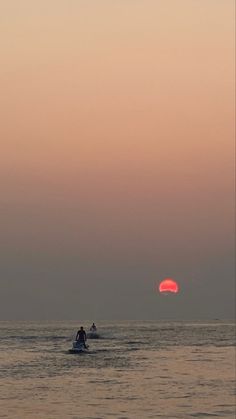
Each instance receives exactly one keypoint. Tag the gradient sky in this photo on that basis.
(117, 158)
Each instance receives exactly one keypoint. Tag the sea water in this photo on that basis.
(135, 370)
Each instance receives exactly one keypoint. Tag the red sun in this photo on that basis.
(168, 285)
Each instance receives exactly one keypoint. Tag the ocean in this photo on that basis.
(151, 369)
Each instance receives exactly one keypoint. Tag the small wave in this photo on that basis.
(13, 337)
(203, 414)
(38, 338)
(133, 349)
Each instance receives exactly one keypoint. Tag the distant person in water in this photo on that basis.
(81, 336)
(93, 328)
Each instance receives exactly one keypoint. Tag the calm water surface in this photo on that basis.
(136, 370)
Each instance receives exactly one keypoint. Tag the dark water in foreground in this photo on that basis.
(136, 370)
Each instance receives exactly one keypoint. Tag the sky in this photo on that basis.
(117, 159)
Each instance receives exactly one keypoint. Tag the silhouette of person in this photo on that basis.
(81, 336)
(93, 328)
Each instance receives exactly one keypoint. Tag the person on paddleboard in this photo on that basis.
(81, 336)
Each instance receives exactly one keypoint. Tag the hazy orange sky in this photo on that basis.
(116, 164)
